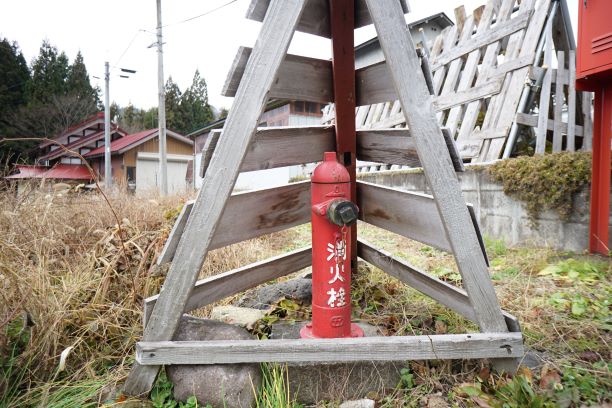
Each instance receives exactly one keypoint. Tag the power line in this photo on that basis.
(127, 48)
(200, 15)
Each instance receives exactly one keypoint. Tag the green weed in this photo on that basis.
(275, 392)
(162, 397)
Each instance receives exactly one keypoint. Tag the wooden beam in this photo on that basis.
(255, 213)
(532, 120)
(450, 296)
(241, 124)
(396, 146)
(229, 283)
(571, 103)
(394, 348)
(315, 19)
(499, 32)
(167, 253)
(374, 85)
(542, 127)
(411, 215)
(558, 107)
(415, 99)
(208, 150)
(288, 146)
(315, 82)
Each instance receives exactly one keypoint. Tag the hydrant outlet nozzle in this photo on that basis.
(342, 212)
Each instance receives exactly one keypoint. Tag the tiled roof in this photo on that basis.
(124, 142)
(68, 172)
(26, 171)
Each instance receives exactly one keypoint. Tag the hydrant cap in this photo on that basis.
(330, 171)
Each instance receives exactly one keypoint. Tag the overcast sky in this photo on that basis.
(121, 31)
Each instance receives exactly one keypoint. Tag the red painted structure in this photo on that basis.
(342, 18)
(594, 73)
(332, 217)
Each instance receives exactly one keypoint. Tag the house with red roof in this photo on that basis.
(135, 160)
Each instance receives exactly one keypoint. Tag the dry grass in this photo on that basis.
(73, 273)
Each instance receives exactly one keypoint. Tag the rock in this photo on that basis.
(221, 385)
(241, 316)
(299, 289)
(362, 403)
(533, 359)
(313, 382)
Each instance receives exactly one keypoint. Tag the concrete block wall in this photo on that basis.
(501, 216)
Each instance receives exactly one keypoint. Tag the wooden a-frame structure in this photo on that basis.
(218, 218)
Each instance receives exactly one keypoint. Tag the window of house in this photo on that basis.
(84, 150)
(312, 107)
(299, 106)
(131, 174)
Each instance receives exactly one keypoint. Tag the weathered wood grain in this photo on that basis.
(169, 249)
(558, 109)
(571, 103)
(411, 215)
(444, 293)
(405, 70)
(208, 150)
(275, 147)
(215, 288)
(315, 19)
(499, 32)
(314, 84)
(240, 126)
(542, 128)
(587, 142)
(532, 120)
(394, 348)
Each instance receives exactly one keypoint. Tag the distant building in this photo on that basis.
(135, 160)
(369, 52)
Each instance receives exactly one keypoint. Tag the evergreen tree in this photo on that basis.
(78, 84)
(195, 106)
(14, 75)
(49, 74)
(175, 117)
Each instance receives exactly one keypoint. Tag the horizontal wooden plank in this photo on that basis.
(495, 34)
(215, 288)
(484, 90)
(167, 253)
(396, 348)
(512, 65)
(532, 120)
(535, 72)
(450, 296)
(396, 146)
(288, 146)
(374, 85)
(391, 146)
(255, 213)
(315, 19)
(299, 78)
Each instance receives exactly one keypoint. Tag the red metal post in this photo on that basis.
(332, 215)
(342, 20)
(600, 183)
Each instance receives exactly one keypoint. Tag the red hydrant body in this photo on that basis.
(332, 215)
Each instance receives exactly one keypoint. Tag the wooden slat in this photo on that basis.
(454, 68)
(542, 128)
(411, 215)
(240, 127)
(471, 67)
(489, 61)
(513, 65)
(449, 42)
(391, 146)
(255, 213)
(403, 64)
(167, 253)
(314, 84)
(374, 85)
(532, 120)
(229, 283)
(507, 106)
(444, 293)
(499, 32)
(558, 109)
(394, 348)
(288, 146)
(491, 87)
(315, 19)
(571, 103)
(208, 150)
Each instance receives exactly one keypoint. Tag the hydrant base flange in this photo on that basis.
(306, 331)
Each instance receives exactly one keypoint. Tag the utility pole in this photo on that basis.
(108, 177)
(163, 175)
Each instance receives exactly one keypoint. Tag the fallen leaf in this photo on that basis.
(548, 380)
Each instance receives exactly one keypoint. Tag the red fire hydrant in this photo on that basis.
(332, 216)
